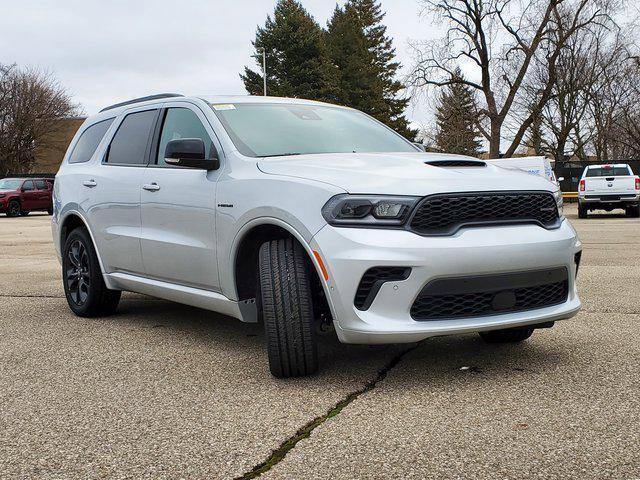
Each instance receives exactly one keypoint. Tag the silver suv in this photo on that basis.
(306, 216)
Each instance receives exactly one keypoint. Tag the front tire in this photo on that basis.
(508, 335)
(633, 211)
(13, 209)
(84, 287)
(287, 309)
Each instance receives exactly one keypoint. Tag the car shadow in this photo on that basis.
(467, 359)
(435, 357)
(604, 214)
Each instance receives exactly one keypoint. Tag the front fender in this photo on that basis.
(228, 280)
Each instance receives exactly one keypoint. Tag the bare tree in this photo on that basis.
(503, 40)
(31, 101)
(613, 99)
(566, 113)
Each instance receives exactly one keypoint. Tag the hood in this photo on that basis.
(400, 173)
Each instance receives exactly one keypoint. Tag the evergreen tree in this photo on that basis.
(297, 61)
(359, 46)
(456, 116)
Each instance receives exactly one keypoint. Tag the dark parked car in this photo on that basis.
(19, 196)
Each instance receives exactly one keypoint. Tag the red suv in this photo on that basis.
(19, 196)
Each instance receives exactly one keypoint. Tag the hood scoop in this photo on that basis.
(456, 163)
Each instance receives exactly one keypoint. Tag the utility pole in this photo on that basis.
(264, 71)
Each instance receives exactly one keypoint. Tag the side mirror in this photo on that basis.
(420, 146)
(190, 153)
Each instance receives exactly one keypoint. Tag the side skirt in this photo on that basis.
(195, 297)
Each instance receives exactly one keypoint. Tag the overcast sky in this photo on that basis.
(104, 52)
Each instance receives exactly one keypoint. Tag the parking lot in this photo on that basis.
(162, 390)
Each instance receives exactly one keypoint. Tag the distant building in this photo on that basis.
(49, 158)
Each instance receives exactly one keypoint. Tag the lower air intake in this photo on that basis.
(451, 298)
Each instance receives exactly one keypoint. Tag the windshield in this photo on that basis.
(271, 129)
(608, 172)
(10, 184)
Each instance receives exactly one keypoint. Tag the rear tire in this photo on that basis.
(508, 335)
(287, 309)
(582, 211)
(633, 211)
(13, 209)
(84, 287)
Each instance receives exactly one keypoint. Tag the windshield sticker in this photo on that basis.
(224, 106)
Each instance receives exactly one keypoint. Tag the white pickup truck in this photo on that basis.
(607, 187)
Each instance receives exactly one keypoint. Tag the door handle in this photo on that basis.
(151, 187)
(90, 183)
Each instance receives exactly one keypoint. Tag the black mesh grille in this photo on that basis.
(373, 279)
(444, 214)
(472, 300)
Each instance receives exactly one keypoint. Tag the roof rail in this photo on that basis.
(142, 99)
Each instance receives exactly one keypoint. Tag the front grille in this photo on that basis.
(452, 298)
(373, 279)
(444, 214)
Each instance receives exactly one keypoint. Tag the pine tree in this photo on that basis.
(359, 46)
(456, 116)
(297, 61)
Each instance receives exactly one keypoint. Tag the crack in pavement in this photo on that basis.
(591, 310)
(5, 295)
(304, 432)
(30, 296)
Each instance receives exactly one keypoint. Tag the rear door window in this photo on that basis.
(129, 145)
(88, 142)
(41, 185)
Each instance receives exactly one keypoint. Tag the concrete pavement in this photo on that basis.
(162, 390)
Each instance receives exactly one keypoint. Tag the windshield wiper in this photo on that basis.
(290, 154)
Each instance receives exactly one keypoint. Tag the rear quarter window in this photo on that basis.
(88, 142)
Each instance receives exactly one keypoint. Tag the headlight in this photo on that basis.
(368, 210)
(559, 201)
(2, 195)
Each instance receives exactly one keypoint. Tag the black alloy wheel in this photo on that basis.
(78, 273)
(13, 209)
(84, 287)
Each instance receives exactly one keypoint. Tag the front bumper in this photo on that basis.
(349, 252)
